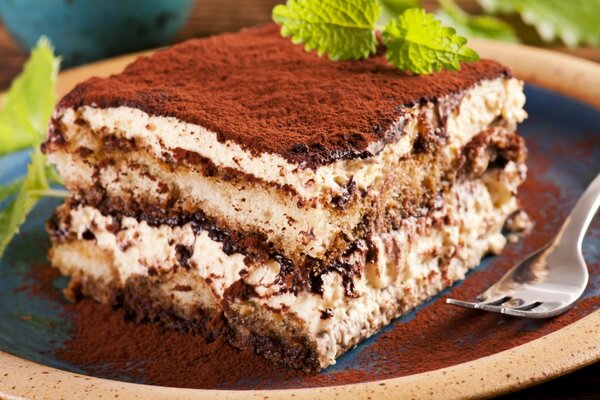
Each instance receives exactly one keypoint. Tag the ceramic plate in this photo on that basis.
(470, 353)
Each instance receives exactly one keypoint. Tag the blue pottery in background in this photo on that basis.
(86, 30)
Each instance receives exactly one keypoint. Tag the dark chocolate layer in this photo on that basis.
(257, 89)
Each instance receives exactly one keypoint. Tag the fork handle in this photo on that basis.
(582, 214)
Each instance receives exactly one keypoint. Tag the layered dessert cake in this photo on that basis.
(240, 186)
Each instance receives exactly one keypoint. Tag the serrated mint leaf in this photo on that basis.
(484, 26)
(390, 9)
(573, 21)
(344, 29)
(28, 104)
(417, 42)
(24, 119)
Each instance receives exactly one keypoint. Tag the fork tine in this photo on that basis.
(478, 304)
(474, 305)
(495, 306)
(531, 313)
(488, 307)
(465, 304)
(497, 309)
(522, 311)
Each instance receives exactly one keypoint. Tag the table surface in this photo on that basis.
(212, 17)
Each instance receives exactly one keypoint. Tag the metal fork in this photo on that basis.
(548, 281)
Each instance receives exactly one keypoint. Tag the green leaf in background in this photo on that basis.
(417, 42)
(483, 26)
(29, 102)
(24, 119)
(343, 29)
(573, 21)
(390, 9)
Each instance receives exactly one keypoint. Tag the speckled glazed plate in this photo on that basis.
(469, 354)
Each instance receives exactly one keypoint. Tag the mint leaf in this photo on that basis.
(28, 104)
(392, 8)
(484, 26)
(341, 28)
(417, 42)
(573, 21)
(23, 122)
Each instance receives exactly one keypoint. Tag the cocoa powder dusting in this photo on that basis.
(147, 353)
(39, 281)
(257, 89)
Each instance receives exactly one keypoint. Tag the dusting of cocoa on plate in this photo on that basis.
(106, 344)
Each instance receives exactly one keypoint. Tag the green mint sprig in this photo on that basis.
(24, 119)
(345, 30)
(417, 42)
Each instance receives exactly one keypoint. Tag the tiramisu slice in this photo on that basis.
(301, 203)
